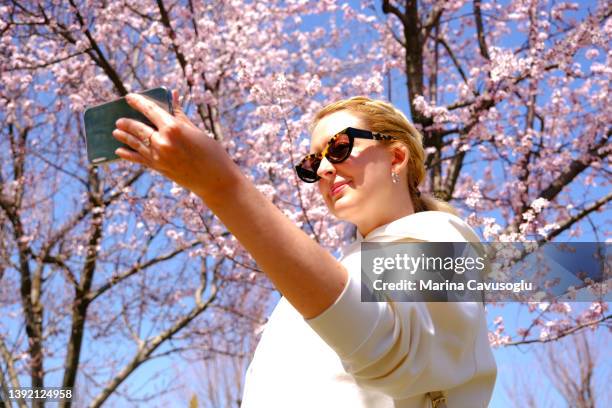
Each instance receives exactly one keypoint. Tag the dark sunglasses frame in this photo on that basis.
(311, 176)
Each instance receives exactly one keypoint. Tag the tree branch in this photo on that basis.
(149, 347)
(482, 44)
(561, 335)
(101, 59)
(136, 268)
(80, 303)
(30, 299)
(573, 170)
(389, 8)
(432, 21)
(10, 367)
(452, 175)
(48, 63)
(450, 53)
(586, 211)
(215, 128)
(85, 211)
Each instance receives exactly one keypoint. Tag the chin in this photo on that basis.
(345, 209)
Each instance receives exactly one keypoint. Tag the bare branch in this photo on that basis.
(389, 8)
(139, 267)
(583, 213)
(48, 63)
(80, 303)
(150, 346)
(394, 35)
(432, 21)
(29, 288)
(480, 30)
(13, 377)
(567, 332)
(452, 175)
(85, 211)
(574, 169)
(450, 53)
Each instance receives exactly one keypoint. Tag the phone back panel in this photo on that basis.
(100, 123)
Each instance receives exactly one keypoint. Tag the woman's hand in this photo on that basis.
(177, 149)
(302, 270)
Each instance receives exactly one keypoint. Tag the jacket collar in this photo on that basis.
(432, 226)
(412, 225)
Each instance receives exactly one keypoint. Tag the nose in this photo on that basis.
(326, 169)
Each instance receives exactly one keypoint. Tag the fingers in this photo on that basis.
(131, 156)
(136, 128)
(175, 101)
(132, 141)
(158, 116)
(176, 104)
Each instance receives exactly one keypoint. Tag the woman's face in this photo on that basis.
(359, 190)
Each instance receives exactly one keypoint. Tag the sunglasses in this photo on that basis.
(338, 149)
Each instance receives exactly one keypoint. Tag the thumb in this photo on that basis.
(176, 105)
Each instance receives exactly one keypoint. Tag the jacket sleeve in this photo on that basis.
(405, 349)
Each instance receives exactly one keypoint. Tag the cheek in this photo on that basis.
(321, 187)
(374, 179)
(373, 173)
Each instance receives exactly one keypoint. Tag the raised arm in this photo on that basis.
(304, 272)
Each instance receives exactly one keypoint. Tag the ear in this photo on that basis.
(399, 157)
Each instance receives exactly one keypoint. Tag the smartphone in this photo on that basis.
(100, 122)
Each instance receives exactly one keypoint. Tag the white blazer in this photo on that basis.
(376, 355)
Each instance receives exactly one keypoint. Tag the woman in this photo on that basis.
(322, 346)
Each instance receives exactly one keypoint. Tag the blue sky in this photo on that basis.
(511, 361)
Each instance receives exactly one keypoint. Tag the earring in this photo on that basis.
(395, 178)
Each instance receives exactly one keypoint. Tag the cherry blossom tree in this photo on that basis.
(513, 99)
(575, 368)
(105, 269)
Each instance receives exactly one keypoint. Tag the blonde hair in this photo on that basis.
(382, 117)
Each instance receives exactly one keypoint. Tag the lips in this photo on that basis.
(337, 188)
